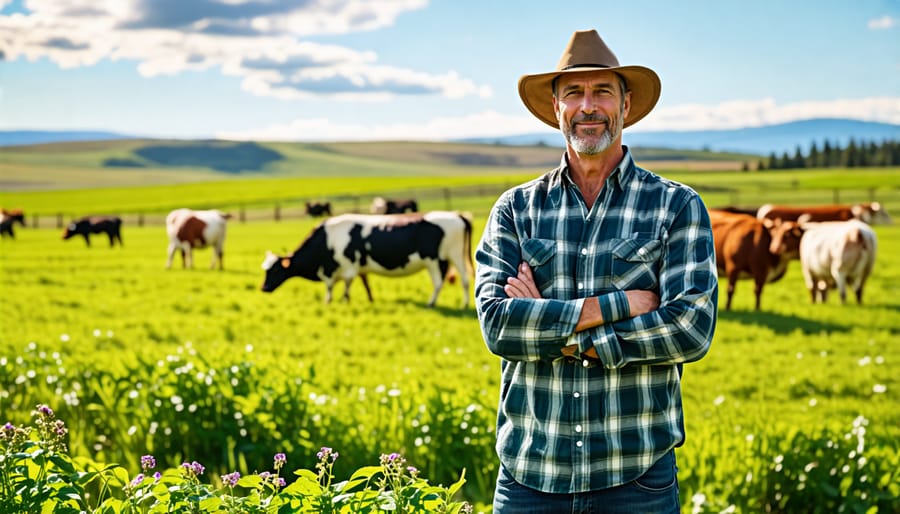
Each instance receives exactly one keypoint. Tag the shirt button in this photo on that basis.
(579, 444)
(577, 394)
(578, 428)
(581, 285)
(584, 251)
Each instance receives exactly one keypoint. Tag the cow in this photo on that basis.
(749, 248)
(837, 254)
(109, 225)
(188, 229)
(870, 212)
(350, 245)
(7, 219)
(393, 206)
(315, 209)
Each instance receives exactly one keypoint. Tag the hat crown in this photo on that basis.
(587, 49)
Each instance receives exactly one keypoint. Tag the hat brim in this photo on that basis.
(537, 93)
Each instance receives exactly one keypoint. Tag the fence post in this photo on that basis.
(243, 214)
(140, 222)
(447, 198)
(837, 195)
(59, 220)
(277, 212)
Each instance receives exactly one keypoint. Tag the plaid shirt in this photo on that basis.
(563, 427)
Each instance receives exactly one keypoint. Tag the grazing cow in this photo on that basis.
(109, 225)
(749, 248)
(316, 209)
(7, 219)
(871, 213)
(189, 229)
(392, 206)
(837, 254)
(351, 245)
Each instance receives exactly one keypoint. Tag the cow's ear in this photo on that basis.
(285, 263)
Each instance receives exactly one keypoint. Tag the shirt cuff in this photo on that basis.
(614, 306)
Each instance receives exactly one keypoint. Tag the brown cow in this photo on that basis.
(871, 213)
(749, 248)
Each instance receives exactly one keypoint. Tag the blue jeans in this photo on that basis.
(655, 492)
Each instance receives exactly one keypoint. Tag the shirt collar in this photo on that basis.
(620, 175)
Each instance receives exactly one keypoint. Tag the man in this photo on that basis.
(595, 283)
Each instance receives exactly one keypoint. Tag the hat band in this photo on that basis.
(584, 65)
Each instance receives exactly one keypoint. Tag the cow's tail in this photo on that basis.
(466, 218)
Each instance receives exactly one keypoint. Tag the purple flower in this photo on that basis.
(45, 410)
(280, 482)
(280, 459)
(194, 468)
(157, 476)
(148, 462)
(137, 480)
(231, 479)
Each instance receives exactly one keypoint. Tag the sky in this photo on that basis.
(350, 70)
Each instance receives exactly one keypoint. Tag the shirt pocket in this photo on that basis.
(539, 253)
(635, 263)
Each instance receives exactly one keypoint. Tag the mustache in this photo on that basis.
(591, 118)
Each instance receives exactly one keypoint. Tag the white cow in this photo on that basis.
(189, 229)
(837, 254)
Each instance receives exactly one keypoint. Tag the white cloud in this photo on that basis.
(484, 124)
(488, 124)
(884, 23)
(766, 111)
(260, 40)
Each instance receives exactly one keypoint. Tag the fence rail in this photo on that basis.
(475, 198)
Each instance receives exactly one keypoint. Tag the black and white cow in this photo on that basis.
(109, 225)
(318, 209)
(351, 245)
(393, 205)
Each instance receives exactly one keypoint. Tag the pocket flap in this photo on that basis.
(537, 251)
(637, 250)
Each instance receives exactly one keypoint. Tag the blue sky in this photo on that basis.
(427, 70)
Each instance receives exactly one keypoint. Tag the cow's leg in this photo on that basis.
(112, 239)
(329, 285)
(172, 249)
(365, 281)
(187, 257)
(732, 280)
(460, 264)
(841, 281)
(347, 282)
(757, 290)
(437, 280)
(87, 239)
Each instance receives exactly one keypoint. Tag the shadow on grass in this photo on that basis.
(449, 311)
(781, 323)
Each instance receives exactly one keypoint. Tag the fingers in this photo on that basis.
(522, 285)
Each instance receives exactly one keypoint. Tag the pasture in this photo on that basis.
(795, 405)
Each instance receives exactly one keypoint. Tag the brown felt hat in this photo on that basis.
(586, 52)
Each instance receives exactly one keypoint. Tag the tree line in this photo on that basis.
(832, 155)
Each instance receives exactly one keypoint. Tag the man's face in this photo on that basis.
(591, 109)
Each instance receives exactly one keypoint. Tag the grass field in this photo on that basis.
(795, 406)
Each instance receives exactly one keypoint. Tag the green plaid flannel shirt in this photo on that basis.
(563, 427)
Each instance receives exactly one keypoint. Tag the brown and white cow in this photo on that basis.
(747, 248)
(837, 254)
(189, 229)
(8, 218)
(351, 245)
(870, 212)
(109, 225)
(393, 206)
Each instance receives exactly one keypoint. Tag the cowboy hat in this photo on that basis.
(587, 52)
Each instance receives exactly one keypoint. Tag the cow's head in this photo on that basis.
(71, 230)
(278, 269)
(786, 237)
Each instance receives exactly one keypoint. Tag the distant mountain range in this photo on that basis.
(781, 138)
(784, 137)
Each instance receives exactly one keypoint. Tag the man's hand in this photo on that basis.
(522, 285)
(641, 302)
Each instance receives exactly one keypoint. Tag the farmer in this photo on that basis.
(595, 283)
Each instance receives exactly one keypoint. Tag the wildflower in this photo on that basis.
(413, 472)
(137, 480)
(194, 469)
(148, 462)
(157, 476)
(280, 459)
(231, 479)
(325, 453)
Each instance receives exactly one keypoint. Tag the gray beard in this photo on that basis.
(588, 147)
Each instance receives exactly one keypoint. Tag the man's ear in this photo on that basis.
(627, 106)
